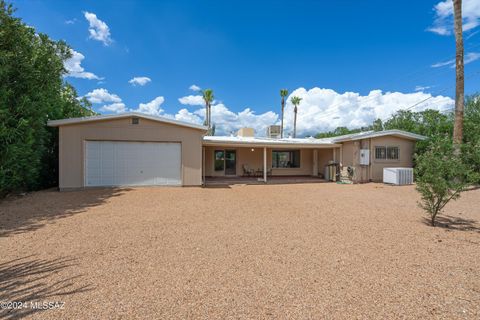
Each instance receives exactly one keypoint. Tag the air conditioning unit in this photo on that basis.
(398, 176)
(273, 131)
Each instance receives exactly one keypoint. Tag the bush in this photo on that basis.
(32, 91)
(441, 176)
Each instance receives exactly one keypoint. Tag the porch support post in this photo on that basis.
(265, 164)
(334, 155)
(341, 154)
(315, 163)
(203, 166)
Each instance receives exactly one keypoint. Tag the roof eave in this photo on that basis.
(62, 122)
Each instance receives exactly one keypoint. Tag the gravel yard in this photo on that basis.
(260, 251)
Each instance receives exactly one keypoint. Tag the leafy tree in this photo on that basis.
(471, 151)
(32, 91)
(441, 176)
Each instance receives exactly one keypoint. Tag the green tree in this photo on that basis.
(295, 101)
(32, 91)
(471, 137)
(283, 94)
(441, 176)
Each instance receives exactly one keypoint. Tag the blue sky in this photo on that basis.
(350, 61)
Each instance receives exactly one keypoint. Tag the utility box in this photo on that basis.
(364, 157)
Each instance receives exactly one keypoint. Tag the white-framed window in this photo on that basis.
(387, 152)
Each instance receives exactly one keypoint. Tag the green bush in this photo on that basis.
(441, 176)
(32, 91)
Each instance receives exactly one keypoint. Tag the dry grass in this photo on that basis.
(275, 251)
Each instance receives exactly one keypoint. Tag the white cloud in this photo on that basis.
(141, 81)
(98, 29)
(194, 87)
(469, 57)
(324, 109)
(443, 23)
(74, 67)
(192, 100)
(187, 116)
(101, 96)
(71, 21)
(422, 88)
(117, 107)
(152, 107)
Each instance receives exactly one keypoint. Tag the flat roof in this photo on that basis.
(61, 122)
(267, 142)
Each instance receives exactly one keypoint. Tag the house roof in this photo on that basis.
(56, 123)
(304, 142)
(375, 134)
(267, 142)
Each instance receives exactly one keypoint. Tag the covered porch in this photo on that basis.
(225, 163)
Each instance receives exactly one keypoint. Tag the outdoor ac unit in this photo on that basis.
(398, 176)
(364, 157)
(273, 131)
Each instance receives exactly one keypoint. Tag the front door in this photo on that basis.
(230, 162)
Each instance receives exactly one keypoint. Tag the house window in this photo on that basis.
(286, 159)
(387, 153)
(219, 156)
(135, 120)
(392, 153)
(380, 153)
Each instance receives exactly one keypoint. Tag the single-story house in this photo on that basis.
(135, 149)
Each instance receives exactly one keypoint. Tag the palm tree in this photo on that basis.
(295, 101)
(460, 85)
(283, 94)
(208, 97)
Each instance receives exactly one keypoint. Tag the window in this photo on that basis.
(219, 156)
(392, 153)
(387, 153)
(380, 152)
(135, 120)
(286, 159)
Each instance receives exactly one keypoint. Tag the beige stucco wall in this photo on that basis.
(72, 138)
(405, 160)
(375, 172)
(254, 160)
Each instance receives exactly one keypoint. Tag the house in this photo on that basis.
(137, 149)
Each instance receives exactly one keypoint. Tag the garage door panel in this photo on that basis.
(111, 163)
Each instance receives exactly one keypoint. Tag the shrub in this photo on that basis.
(441, 176)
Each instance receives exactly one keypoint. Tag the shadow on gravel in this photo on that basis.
(454, 223)
(33, 211)
(36, 281)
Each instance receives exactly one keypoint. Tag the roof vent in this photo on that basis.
(246, 132)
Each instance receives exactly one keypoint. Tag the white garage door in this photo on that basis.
(114, 163)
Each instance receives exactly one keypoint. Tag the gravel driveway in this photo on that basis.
(276, 251)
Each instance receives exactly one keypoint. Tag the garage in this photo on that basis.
(128, 149)
(119, 163)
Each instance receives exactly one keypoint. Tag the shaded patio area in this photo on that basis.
(225, 181)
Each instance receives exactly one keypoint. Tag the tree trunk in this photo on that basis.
(460, 85)
(283, 108)
(295, 122)
(206, 115)
(209, 115)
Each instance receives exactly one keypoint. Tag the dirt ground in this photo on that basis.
(276, 251)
